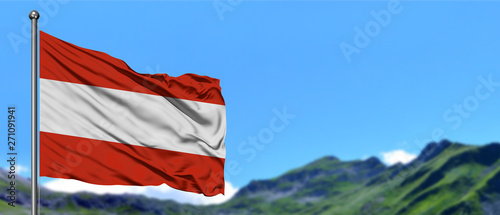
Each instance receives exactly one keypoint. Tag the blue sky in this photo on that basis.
(403, 85)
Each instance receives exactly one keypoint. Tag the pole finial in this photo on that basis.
(34, 14)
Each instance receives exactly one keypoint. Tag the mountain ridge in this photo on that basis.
(445, 178)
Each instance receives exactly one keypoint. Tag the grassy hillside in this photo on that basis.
(446, 178)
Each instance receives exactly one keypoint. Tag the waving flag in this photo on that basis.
(103, 123)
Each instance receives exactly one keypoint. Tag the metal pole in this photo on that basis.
(34, 113)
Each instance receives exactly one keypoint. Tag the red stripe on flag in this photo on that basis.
(110, 163)
(63, 61)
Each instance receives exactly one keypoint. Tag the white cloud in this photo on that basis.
(398, 156)
(161, 192)
(19, 168)
(22, 169)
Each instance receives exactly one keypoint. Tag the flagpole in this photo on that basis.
(34, 113)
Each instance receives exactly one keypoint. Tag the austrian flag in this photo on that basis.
(103, 123)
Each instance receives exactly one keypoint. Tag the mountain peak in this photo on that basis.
(373, 161)
(432, 149)
(327, 158)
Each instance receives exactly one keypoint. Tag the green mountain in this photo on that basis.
(446, 178)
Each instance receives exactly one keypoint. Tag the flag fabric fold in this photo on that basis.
(103, 123)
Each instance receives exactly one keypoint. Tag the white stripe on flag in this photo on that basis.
(132, 118)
